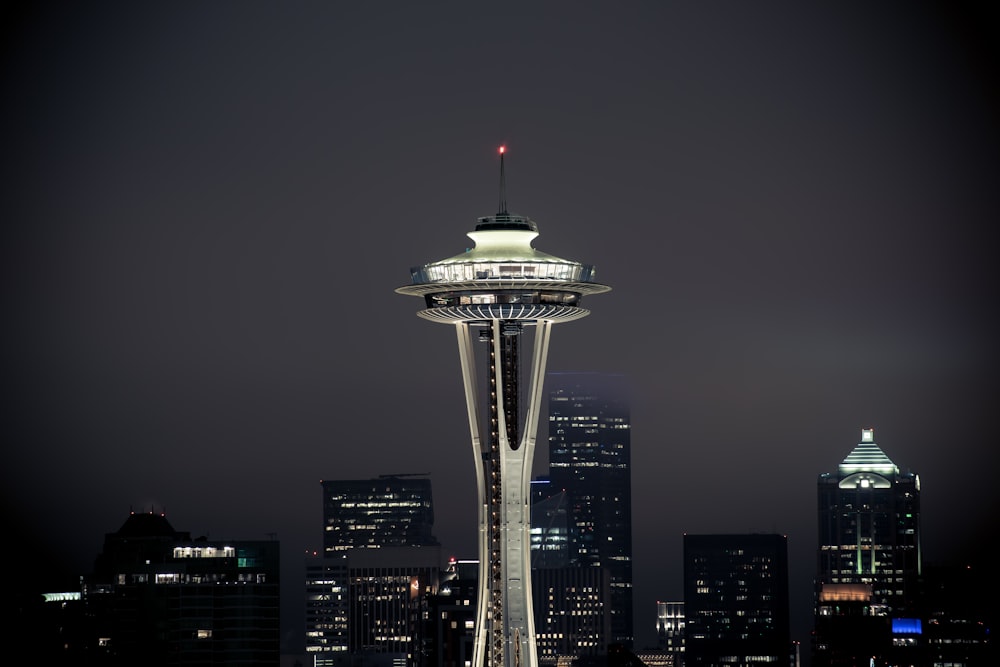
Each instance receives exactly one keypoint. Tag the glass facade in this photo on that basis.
(590, 459)
(375, 513)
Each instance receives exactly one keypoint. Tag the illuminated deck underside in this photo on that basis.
(486, 312)
(553, 312)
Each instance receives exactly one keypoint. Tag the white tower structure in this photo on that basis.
(503, 288)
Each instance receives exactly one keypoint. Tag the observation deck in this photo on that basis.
(503, 278)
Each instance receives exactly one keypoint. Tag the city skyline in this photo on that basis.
(292, 597)
(209, 208)
(390, 518)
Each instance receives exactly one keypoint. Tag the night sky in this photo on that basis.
(206, 208)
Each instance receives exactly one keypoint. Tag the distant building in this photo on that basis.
(956, 620)
(869, 526)
(670, 629)
(158, 597)
(572, 617)
(389, 589)
(391, 510)
(590, 462)
(327, 605)
(869, 558)
(55, 625)
(377, 544)
(451, 626)
(571, 600)
(876, 603)
(736, 600)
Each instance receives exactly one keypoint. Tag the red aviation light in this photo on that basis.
(502, 149)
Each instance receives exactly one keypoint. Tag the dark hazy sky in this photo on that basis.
(206, 208)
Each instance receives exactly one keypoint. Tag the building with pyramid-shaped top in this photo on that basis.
(869, 561)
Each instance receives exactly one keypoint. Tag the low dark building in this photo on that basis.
(159, 597)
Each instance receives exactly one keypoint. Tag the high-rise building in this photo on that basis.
(572, 614)
(572, 607)
(503, 289)
(389, 591)
(388, 511)
(869, 557)
(869, 526)
(360, 601)
(736, 600)
(327, 609)
(159, 597)
(590, 461)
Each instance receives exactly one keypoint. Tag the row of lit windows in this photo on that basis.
(375, 504)
(204, 552)
(187, 579)
(468, 271)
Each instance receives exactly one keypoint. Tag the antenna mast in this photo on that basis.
(503, 185)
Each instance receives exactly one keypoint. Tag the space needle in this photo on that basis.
(495, 293)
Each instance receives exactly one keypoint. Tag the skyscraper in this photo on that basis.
(572, 602)
(390, 510)
(377, 542)
(590, 461)
(389, 592)
(869, 558)
(572, 619)
(869, 525)
(503, 289)
(736, 600)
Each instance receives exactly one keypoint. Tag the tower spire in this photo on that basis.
(502, 210)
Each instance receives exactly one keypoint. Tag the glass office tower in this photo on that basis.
(869, 525)
(391, 510)
(590, 459)
(869, 558)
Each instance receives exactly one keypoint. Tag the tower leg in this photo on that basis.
(505, 632)
(465, 351)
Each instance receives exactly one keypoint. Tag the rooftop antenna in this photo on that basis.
(503, 185)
